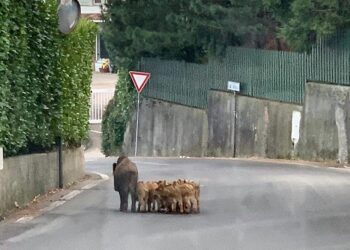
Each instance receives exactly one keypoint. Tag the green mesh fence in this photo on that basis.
(274, 75)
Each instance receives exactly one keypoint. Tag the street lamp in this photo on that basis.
(68, 15)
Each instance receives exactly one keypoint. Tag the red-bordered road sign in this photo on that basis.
(139, 79)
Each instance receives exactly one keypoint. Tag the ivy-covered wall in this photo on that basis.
(44, 77)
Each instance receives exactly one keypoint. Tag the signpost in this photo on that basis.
(140, 80)
(235, 87)
(68, 17)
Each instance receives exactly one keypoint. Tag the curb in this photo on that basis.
(67, 197)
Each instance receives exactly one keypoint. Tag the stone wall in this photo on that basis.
(24, 177)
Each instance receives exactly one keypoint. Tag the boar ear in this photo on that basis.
(121, 158)
(114, 166)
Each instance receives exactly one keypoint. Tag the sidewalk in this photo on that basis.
(93, 150)
(93, 154)
(46, 202)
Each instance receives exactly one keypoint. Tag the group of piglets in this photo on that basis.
(181, 196)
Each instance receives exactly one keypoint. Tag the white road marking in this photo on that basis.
(65, 198)
(52, 206)
(24, 219)
(103, 176)
(88, 186)
(71, 195)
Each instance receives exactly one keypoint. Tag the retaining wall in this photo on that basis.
(24, 177)
(263, 127)
(325, 123)
(167, 129)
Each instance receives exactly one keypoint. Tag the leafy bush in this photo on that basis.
(37, 66)
(75, 77)
(41, 85)
(28, 57)
(117, 114)
(4, 81)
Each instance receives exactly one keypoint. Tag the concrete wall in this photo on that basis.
(263, 127)
(24, 177)
(325, 124)
(73, 165)
(167, 129)
(221, 136)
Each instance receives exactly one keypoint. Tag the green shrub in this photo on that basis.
(5, 6)
(29, 36)
(16, 75)
(75, 77)
(45, 77)
(117, 114)
(42, 86)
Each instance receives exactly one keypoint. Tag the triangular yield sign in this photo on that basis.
(139, 79)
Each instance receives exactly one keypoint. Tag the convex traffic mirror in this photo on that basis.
(68, 15)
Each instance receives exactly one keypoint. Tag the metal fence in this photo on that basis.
(274, 75)
(99, 101)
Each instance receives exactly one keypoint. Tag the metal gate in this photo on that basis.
(98, 103)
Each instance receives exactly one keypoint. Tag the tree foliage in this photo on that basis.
(301, 22)
(193, 29)
(184, 29)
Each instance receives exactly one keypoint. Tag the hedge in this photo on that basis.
(37, 67)
(75, 73)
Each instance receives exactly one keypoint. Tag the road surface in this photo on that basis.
(244, 205)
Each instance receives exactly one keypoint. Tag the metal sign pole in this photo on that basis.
(137, 121)
(139, 80)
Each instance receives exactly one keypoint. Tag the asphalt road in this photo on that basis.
(244, 205)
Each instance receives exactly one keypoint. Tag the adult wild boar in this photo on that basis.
(125, 181)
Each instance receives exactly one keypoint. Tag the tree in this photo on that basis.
(183, 30)
(193, 29)
(301, 22)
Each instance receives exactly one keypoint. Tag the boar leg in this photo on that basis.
(123, 200)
